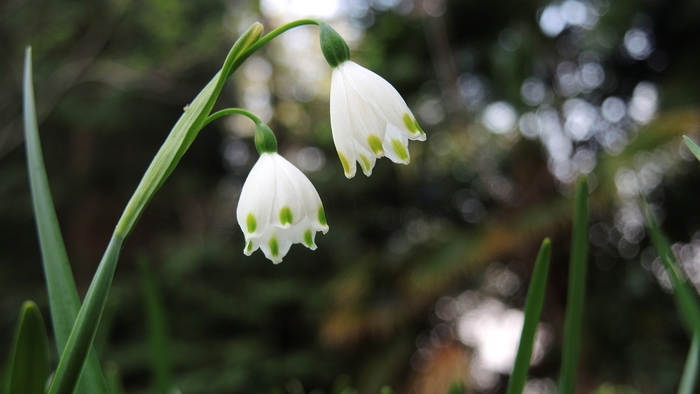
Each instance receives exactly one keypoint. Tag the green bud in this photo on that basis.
(265, 141)
(334, 48)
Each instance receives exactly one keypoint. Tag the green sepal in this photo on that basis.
(333, 47)
(265, 141)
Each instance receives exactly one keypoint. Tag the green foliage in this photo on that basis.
(29, 360)
(157, 331)
(532, 311)
(63, 295)
(578, 268)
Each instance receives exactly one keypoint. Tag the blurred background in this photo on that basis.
(421, 280)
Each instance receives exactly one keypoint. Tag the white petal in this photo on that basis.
(368, 125)
(366, 159)
(310, 203)
(286, 207)
(341, 124)
(396, 145)
(385, 99)
(253, 212)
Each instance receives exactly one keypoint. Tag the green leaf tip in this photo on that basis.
(333, 47)
(29, 360)
(265, 141)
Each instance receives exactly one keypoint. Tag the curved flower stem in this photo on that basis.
(267, 38)
(230, 111)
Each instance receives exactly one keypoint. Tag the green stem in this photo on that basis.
(230, 111)
(269, 37)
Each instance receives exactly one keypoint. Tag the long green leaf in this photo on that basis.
(63, 294)
(533, 309)
(29, 362)
(577, 291)
(690, 371)
(157, 331)
(684, 295)
(183, 133)
(692, 146)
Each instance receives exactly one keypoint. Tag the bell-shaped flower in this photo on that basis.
(278, 207)
(369, 119)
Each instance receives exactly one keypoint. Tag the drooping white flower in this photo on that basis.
(369, 119)
(278, 207)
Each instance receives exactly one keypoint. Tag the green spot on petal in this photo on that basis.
(249, 246)
(400, 150)
(365, 162)
(274, 247)
(251, 223)
(375, 143)
(411, 124)
(418, 126)
(344, 161)
(322, 216)
(308, 238)
(286, 216)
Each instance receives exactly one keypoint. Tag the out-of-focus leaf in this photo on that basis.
(690, 371)
(60, 284)
(692, 146)
(533, 309)
(157, 331)
(577, 291)
(684, 294)
(29, 360)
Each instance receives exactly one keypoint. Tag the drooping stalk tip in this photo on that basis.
(333, 47)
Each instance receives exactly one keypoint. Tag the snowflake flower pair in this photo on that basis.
(278, 205)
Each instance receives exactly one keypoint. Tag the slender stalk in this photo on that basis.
(230, 111)
(533, 309)
(577, 291)
(269, 37)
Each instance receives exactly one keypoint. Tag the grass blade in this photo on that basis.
(684, 294)
(63, 294)
(690, 371)
(178, 141)
(29, 362)
(157, 332)
(692, 146)
(533, 309)
(577, 291)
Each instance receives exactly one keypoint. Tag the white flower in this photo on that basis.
(369, 119)
(278, 207)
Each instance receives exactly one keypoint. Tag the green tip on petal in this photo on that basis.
(411, 124)
(344, 161)
(249, 246)
(399, 149)
(265, 141)
(322, 216)
(333, 47)
(365, 162)
(309, 238)
(274, 247)
(286, 216)
(251, 224)
(375, 143)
